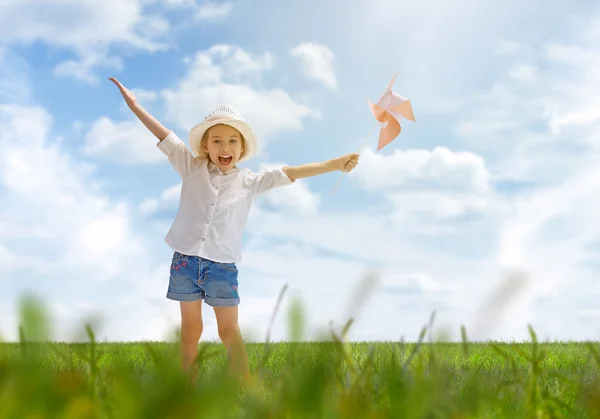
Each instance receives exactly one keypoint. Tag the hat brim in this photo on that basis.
(197, 132)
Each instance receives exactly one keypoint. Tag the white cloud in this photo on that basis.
(512, 48)
(593, 314)
(294, 198)
(203, 10)
(98, 238)
(68, 208)
(523, 73)
(316, 63)
(545, 135)
(570, 54)
(149, 206)
(412, 283)
(175, 3)
(572, 104)
(210, 11)
(552, 227)
(528, 131)
(235, 61)
(438, 204)
(439, 183)
(421, 169)
(89, 60)
(168, 199)
(87, 27)
(143, 96)
(368, 236)
(127, 142)
(15, 84)
(77, 24)
(9, 262)
(73, 240)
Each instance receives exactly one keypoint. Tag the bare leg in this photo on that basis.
(191, 330)
(229, 332)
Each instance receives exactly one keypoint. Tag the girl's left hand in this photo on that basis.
(347, 162)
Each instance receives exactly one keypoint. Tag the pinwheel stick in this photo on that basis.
(358, 152)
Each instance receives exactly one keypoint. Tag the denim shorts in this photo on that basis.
(194, 278)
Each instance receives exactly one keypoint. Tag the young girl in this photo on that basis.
(206, 235)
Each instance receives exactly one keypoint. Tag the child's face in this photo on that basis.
(224, 146)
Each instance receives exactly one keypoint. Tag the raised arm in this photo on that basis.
(344, 163)
(155, 127)
(180, 157)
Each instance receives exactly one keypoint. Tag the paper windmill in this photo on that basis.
(388, 111)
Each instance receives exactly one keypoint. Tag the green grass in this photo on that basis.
(329, 379)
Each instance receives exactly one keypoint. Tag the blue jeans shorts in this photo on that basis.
(194, 278)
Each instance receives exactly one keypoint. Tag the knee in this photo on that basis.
(191, 332)
(228, 334)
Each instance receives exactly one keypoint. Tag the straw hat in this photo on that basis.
(228, 115)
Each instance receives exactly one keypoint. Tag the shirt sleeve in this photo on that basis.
(179, 156)
(255, 184)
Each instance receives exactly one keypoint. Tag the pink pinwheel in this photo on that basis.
(388, 111)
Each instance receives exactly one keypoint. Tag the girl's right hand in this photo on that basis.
(127, 94)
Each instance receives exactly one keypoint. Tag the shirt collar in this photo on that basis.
(214, 168)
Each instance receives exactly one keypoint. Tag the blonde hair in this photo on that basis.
(204, 155)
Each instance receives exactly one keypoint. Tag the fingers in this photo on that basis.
(127, 95)
(351, 162)
(117, 82)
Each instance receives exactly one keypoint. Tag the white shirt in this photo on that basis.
(214, 205)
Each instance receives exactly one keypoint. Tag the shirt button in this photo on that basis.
(217, 187)
(203, 239)
(213, 204)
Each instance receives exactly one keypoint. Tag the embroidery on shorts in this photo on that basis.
(234, 287)
(177, 266)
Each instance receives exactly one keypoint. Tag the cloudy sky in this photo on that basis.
(499, 174)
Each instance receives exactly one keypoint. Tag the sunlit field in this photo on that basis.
(327, 379)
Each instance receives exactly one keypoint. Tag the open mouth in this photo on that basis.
(225, 160)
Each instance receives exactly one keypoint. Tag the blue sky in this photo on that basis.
(498, 175)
